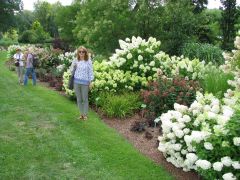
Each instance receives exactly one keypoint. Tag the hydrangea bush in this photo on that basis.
(138, 62)
(205, 136)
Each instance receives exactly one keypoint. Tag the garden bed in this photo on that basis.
(145, 145)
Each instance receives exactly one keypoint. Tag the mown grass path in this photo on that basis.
(40, 138)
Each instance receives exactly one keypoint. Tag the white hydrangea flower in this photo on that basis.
(229, 176)
(236, 164)
(208, 146)
(203, 164)
(217, 166)
(192, 157)
(226, 161)
(129, 56)
(236, 141)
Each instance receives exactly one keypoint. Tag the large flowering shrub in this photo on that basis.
(180, 66)
(136, 55)
(130, 68)
(205, 136)
(138, 62)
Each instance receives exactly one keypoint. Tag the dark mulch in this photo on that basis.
(146, 142)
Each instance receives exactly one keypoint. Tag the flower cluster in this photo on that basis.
(203, 136)
(66, 60)
(180, 66)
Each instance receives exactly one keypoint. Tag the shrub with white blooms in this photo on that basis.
(203, 136)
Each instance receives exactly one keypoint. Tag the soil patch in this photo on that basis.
(147, 142)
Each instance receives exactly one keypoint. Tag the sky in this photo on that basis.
(28, 4)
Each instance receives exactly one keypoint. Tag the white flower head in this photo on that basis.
(236, 141)
(208, 146)
(217, 166)
(203, 164)
(226, 161)
(229, 176)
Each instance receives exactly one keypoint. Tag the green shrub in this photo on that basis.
(119, 106)
(5, 42)
(215, 81)
(204, 52)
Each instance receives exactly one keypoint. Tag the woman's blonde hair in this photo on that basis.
(82, 48)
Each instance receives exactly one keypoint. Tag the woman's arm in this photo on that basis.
(90, 74)
(73, 66)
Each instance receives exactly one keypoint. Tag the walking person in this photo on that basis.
(18, 58)
(83, 75)
(29, 68)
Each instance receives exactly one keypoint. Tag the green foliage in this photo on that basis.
(5, 42)
(229, 19)
(24, 20)
(10, 37)
(45, 13)
(223, 147)
(28, 36)
(178, 26)
(99, 25)
(213, 17)
(203, 52)
(8, 9)
(35, 35)
(215, 81)
(64, 18)
(11, 34)
(119, 106)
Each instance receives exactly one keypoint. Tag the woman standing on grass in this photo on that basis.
(18, 58)
(83, 75)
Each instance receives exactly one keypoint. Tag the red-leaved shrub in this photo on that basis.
(161, 94)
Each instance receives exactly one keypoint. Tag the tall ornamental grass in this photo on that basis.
(216, 81)
(204, 52)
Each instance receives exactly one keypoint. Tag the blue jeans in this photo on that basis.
(28, 71)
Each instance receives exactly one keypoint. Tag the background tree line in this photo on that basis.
(99, 24)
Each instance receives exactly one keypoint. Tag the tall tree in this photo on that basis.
(146, 16)
(229, 18)
(45, 14)
(179, 25)
(65, 20)
(101, 23)
(200, 5)
(24, 20)
(7, 9)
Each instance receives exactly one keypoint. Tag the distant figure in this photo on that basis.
(29, 68)
(83, 75)
(18, 58)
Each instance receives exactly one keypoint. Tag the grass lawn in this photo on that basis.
(40, 138)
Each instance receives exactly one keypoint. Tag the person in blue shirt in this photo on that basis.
(29, 68)
(83, 76)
